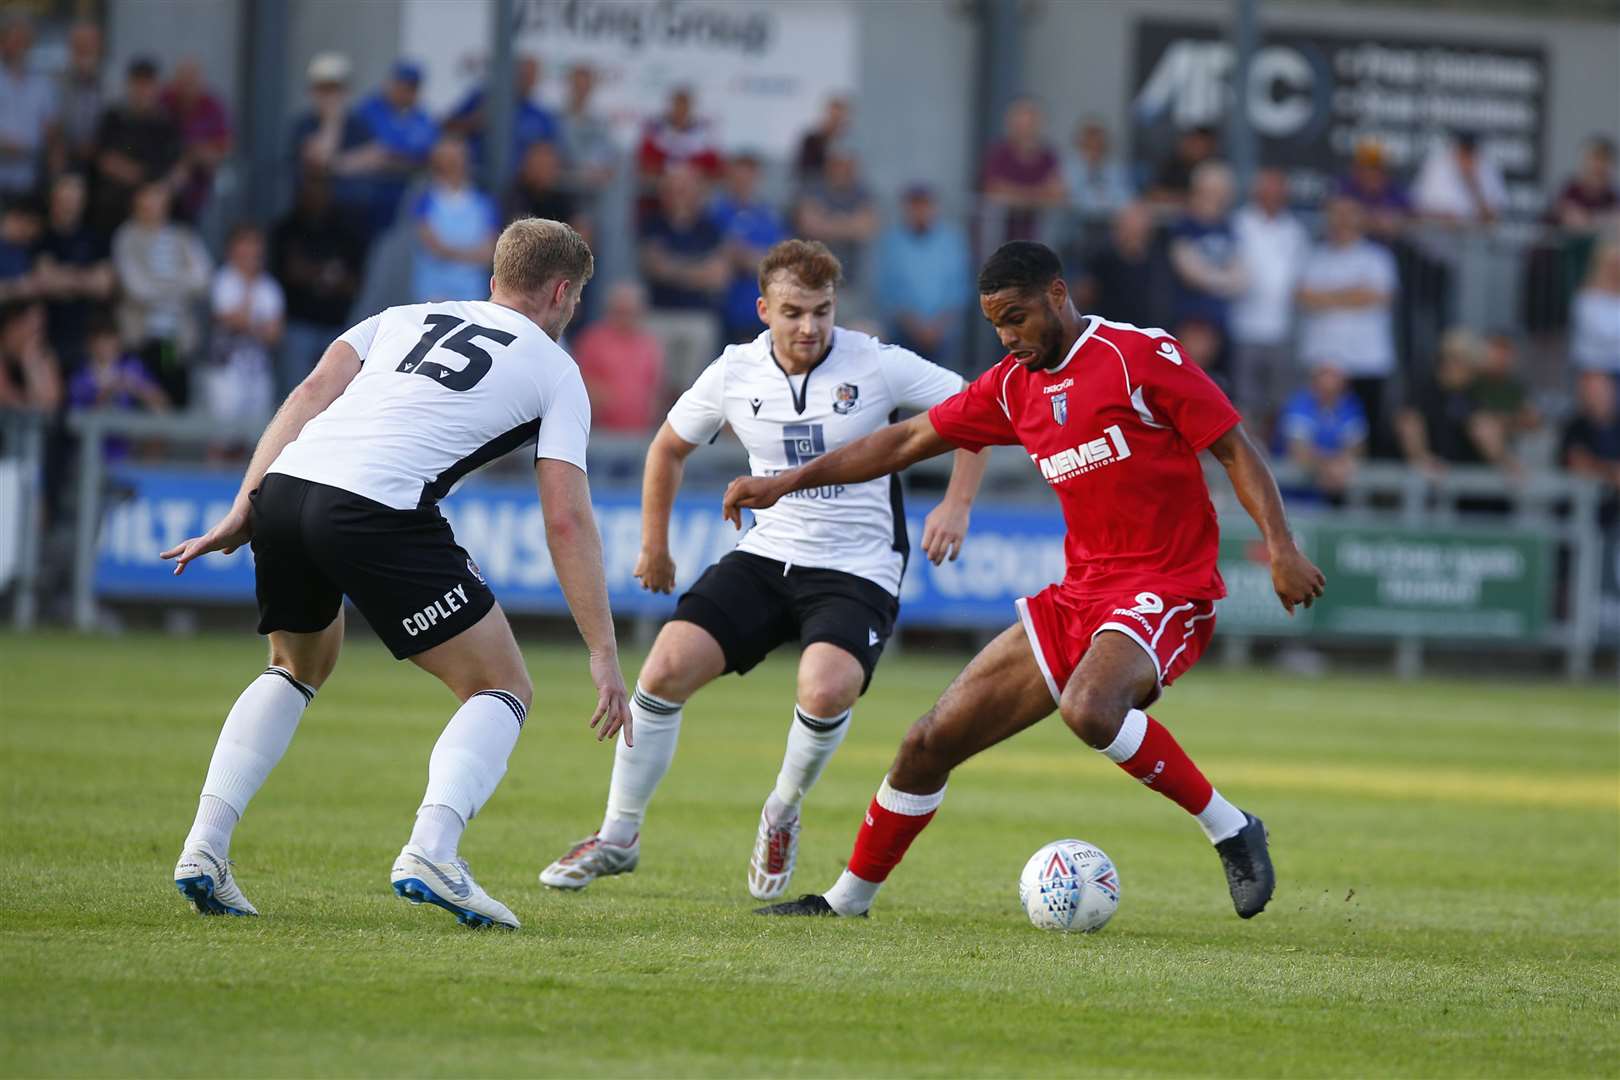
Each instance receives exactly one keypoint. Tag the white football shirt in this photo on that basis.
(786, 420)
(443, 389)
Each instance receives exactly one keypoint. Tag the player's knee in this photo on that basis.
(1093, 715)
(924, 751)
(312, 671)
(520, 686)
(823, 699)
(662, 678)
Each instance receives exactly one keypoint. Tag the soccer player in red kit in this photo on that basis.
(1114, 417)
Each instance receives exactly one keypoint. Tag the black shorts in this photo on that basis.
(314, 544)
(750, 606)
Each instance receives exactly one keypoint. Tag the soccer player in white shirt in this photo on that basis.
(340, 499)
(822, 569)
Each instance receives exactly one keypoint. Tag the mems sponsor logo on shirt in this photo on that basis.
(1103, 450)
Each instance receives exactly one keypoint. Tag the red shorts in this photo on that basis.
(1061, 625)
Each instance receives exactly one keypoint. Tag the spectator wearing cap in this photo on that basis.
(163, 270)
(1096, 181)
(588, 148)
(1272, 244)
(402, 136)
(73, 266)
(1595, 316)
(838, 209)
(1443, 424)
(622, 363)
(749, 227)
(833, 127)
(924, 279)
(456, 226)
(1347, 294)
(531, 122)
(317, 255)
(80, 99)
(205, 136)
(1384, 202)
(1022, 175)
(328, 136)
(27, 109)
(1459, 183)
(139, 144)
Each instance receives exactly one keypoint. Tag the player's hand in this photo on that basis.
(943, 530)
(749, 493)
(612, 703)
(655, 570)
(229, 533)
(1296, 578)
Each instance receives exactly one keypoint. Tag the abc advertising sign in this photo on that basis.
(1312, 95)
(1383, 581)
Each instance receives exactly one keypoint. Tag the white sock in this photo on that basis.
(851, 895)
(1220, 819)
(438, 832)
(256, 733)
(469, 759)
(811, 742)
(638, 769)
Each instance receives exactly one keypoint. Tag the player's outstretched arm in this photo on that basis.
(337, 369)
(885, 451)
(576, 554)
(666, 464)
(1295, 578)
(946, 525)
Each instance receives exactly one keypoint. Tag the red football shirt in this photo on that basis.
(1116, 429)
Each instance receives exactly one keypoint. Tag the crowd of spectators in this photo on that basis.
(115, 292)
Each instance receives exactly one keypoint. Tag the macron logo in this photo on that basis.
(1067, 464)
(1168, 350)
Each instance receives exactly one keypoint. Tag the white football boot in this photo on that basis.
(206, 880)
(776, 850)
(590, 859)
(449, 885)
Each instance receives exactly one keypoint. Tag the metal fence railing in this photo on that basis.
(1395, 537)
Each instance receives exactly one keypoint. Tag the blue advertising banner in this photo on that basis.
(1011, 551)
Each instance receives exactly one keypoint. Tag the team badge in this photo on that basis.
(846, 399)
(472, 568)
(1060, 408)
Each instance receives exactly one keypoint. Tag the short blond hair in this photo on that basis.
(533, 252)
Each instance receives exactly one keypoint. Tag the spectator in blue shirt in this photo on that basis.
(1323, 430)
(531, 122)
(750, 226)
(456, 227)
(402, 135)
(923, 278)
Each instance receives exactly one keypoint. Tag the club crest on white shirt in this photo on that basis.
(846, 398)
(1060, 408)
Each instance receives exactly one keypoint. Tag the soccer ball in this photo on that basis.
(1069, 885)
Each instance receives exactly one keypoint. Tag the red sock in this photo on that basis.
(1161, 764)
(887, 833)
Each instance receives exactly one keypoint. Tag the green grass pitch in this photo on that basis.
(1448, 852)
